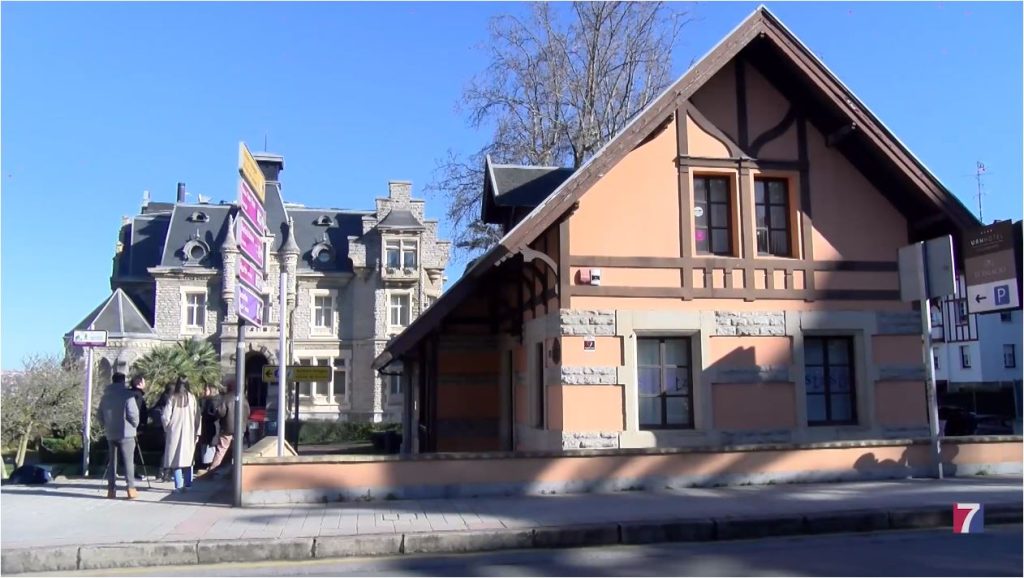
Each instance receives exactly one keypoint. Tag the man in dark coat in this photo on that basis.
(226, 424)
(138, 390)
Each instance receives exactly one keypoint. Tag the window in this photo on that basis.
(395, 388)
(965, 357)
(400, 254)
(305, 387)
(195, 310)
(663, 368)
(400, 309)
(771, 201)
(712, 215)
(339, 386)
(829, 380)
(961, 312)
(321, 388)
(1006, 316)
(1009, 355)
(323, 312)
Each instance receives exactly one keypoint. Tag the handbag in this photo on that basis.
(207, 452)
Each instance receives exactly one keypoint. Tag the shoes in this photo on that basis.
(132, 493)
(140, 477)
(111, 492)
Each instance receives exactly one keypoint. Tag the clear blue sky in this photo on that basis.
(103, 101)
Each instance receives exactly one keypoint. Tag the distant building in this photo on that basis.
(972, 351)
(355, 278)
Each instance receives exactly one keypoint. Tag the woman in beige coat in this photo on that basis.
(181, 423)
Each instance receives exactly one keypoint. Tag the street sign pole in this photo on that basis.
(239, 422)
(929, 365)
(282, 362)
(87, 413)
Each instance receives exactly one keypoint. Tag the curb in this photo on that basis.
(147, 554)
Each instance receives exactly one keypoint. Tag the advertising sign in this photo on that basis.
(990, 267)
(250, 305)
(251, 206)
(250, 242)
(250, 171)
(302, 373)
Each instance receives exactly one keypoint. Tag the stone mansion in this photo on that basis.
(355, 279)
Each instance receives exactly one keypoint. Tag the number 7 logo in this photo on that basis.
(968, 518)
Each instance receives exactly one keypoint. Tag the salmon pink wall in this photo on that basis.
(592, 408)
(633, 277)
(656, 303)
(744, 351)
(702, 144)
(856, 280)
(717, 100)
(901, 403)
(897, 350)
(607, 352)
(614, 216)
(754, 406)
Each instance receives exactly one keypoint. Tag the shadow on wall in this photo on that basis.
(916, 461)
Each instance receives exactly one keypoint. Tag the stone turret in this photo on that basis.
(230, 273)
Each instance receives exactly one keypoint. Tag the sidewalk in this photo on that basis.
(77, 513)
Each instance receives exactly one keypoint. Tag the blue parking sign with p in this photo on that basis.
(1002, 294)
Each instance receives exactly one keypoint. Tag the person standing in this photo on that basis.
(208, 428)
(226, 425)
(180, 419)
(119, 416)
(137, 387)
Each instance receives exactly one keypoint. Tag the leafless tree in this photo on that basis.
(557, 88)
(43, 398)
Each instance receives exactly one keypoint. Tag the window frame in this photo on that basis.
(1011, 349)
(1006, 316)
(826, 367)
(663, 394)
(310, 392)
(394, 398)
(962, 315)
(404, 246)
(708, 204)
(187, 294)
(391, 308)
(769, 226)
(314, 327)
(965, 357)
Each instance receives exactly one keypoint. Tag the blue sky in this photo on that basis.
(102, 101)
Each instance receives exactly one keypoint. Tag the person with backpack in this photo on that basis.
(119, 415)
(181, 420)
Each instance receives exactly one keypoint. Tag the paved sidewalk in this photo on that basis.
(76, 512)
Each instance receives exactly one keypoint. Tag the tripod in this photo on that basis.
(142, 462)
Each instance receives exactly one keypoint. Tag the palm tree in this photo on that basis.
(193, 359)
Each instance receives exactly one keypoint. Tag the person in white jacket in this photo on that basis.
(181, 421)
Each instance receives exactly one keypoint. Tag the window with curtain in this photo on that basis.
(664, 383)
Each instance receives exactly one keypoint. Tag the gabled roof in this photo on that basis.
(767, 38)
(517, 186)
(119, 317)
(400, 219)
(337, 228)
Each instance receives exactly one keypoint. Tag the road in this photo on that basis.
(997, 552)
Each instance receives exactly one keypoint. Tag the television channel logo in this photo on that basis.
(968, 518)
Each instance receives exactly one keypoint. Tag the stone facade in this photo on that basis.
(359, 322)
(750, 323)
(587, 322)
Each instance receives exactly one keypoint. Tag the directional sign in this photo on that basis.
(301, 373)
(250, 242)
(990, 266)
(250, 305)
(250, 170)
(251, 206)
(89, 338)
(250, 274)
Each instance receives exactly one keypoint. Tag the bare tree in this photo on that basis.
(557, 88)
(46, 396)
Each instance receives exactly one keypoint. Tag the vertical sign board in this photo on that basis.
(991, 268)
(251, 172)
(251, 206)
(250, 229)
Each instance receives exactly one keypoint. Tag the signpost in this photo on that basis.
(296, 374)
(926, 272)
(88, 340)
(990, 266)
(249, 299)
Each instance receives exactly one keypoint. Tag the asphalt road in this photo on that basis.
(997, 552)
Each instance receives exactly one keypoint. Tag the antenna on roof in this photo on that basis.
(265, 141)
(980, 171)
(145, 198)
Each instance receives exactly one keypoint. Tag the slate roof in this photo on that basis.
(400, 219)
(509, 189)
(184, 227)
(119, 317)
(343, 224)
(145, 243)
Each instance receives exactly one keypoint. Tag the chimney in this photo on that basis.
(271, 165)
(181, 192)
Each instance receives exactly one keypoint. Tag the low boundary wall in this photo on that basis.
(318, 479)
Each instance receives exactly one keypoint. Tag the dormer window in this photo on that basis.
(323, 221)
(199, 217)
(400, 253)
(323, 254)
(195, 251)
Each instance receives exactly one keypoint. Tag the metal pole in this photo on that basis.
(933, 405)
(87, 413)
(282, 363)
(239, 425)
(296, 437)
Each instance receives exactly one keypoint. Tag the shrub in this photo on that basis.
(331, 432)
